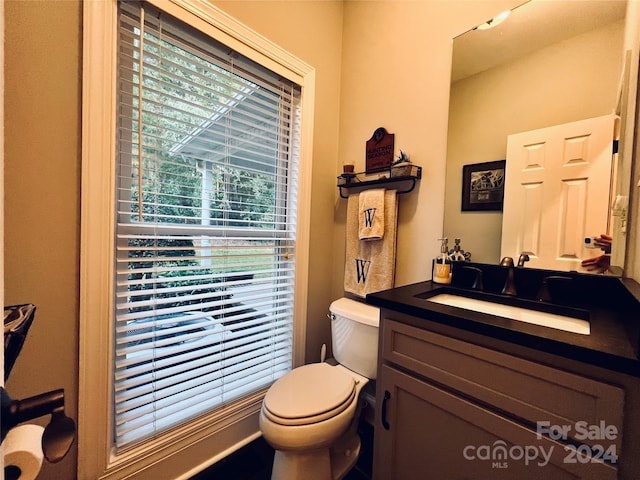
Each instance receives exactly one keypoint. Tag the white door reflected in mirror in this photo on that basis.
(558, 192)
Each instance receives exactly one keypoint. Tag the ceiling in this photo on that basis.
(531, 26)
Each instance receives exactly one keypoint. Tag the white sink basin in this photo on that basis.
(560, 322)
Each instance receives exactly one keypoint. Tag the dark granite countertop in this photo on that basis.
(612, 307)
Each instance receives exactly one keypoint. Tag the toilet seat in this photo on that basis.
(309, 394)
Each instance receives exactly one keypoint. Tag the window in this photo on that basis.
(205, 233)
(194, 246)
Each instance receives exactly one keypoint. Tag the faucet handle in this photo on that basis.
(544, 294)
(506, 262)
(509, 283)
(524, 257)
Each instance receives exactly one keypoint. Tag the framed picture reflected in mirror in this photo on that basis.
(483, 186)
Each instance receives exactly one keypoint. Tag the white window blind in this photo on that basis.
(205, 232)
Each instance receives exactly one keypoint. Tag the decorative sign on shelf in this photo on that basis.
(380, 151)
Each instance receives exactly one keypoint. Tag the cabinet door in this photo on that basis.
(434, 434)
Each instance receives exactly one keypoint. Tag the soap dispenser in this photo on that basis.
(442, 264)
(457, 254)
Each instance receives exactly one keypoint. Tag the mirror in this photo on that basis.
(548, 63)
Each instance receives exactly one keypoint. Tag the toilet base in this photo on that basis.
(319, 464)
(311, 465)
(344, 455)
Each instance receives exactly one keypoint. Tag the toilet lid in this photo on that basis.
(309, 394)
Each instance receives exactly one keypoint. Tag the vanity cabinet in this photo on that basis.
(451, 409)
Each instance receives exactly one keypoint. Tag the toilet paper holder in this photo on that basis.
(58, 435)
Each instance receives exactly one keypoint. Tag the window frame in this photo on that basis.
(194, 446)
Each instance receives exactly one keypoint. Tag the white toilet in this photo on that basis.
(309, 416)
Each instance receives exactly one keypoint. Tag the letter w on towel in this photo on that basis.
(370, 266)
(371, 214)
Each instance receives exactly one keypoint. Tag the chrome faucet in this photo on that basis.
(509, 284)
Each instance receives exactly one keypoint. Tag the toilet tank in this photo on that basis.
(354, 335)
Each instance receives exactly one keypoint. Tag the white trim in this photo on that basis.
(632, 137)
(304, 217)
(2, 198)
(210, 440)
(224, 28)
(96, 232)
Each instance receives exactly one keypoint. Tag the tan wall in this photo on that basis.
(395, 74)
(378, 63)
(395, 70)
(42, 203)
(43, 159)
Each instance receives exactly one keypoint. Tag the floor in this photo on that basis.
(253, 462)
